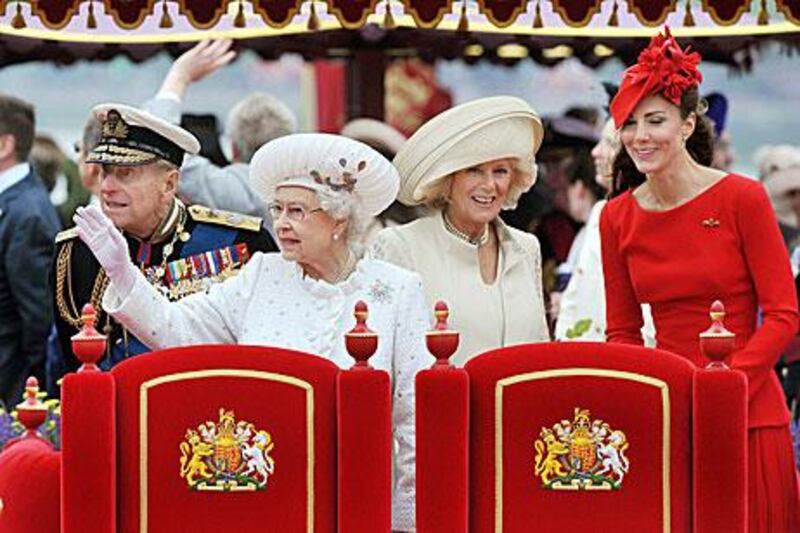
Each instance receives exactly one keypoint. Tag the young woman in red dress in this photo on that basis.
(679, 235)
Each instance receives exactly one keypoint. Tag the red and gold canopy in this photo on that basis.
(501, 30)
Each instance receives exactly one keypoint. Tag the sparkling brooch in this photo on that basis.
(381, 292)
(710, 223)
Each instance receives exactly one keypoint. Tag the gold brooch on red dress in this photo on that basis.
(226, 455)
(582, 454)
(710, 223)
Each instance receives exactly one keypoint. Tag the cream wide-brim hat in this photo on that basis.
(469, 134)
(326, 163)
(375, 133)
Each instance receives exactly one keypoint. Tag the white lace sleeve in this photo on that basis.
(410, 355)
(202, 318)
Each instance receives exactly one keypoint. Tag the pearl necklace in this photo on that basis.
(478, 241)
(346, 270)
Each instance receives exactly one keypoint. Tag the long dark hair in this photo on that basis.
(700, 145)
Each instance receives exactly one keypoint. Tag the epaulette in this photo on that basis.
(200, 213)
(66, 235)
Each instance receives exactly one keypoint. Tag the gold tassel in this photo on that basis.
(91, 22)
(18, 22)
(388, 18)
(688, 19)
(537, 19)
(240, 21)
(166, 19)
(313, 19)
(463, 22)
(763, 15)
(613, 20)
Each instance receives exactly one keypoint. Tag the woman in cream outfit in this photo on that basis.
(320, 189)
(467, 164)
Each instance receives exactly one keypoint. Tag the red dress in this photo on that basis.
(722, 244)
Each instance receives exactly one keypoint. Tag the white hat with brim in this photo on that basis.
(132, 137)
(375, 133)
(470, 134)
(326, 163)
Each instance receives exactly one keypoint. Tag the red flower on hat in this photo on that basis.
(663, 68)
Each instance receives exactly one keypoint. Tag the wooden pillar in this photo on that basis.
(365, 84)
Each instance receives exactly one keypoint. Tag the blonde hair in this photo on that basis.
(436, 195)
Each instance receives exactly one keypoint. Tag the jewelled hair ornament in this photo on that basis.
(663, 68)
(338, 176)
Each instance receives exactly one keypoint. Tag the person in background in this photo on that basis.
(89, 172)
(181, 250)
(777, 169)
(320, 189)
(60, 176)
(253, 121)
(679, 235)
(28, 224)
(582, 310)
(717, 113)
(467, 164)
(387, 141)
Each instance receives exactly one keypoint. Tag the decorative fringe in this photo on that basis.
(463, 22)
(688, 18)
(613, 20)
(91, 21)
(18, 22)
(166, 19)
(537, 18)
(240, 21)
(313, 19)
(763, 15)
(388, 18)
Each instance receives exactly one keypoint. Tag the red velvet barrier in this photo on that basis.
(89, 445)
(29, 488)
(644, 394)
(720, 471)
(364, 451)
(442, 426)
(164, 397)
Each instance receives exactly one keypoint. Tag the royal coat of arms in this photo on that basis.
(226, 455)
(581, 454)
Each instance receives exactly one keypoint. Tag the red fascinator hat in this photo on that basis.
(663, 68)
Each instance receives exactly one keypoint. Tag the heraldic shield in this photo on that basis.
(224, 438)
(581, 437)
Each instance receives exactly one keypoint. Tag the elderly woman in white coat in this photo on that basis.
(467, 164)
(319, 189)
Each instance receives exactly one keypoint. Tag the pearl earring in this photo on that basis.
(335, 236)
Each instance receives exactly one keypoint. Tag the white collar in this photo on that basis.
(13, 175)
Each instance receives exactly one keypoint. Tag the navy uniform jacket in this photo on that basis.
(28, 223)
(207, 246)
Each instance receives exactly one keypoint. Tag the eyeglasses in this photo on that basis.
(294, 212)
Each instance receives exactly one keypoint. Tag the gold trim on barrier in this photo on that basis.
(572, 372)
(226, 372)
(40, 13)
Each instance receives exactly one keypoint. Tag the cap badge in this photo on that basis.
(114, 126)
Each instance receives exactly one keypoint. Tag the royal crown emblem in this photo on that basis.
(226, 455)
(582, 454)
(114, 126)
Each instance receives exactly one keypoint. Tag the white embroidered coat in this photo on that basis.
(271, 303)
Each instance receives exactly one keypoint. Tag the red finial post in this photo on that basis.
(361, 342)
(717, 342)
(88, 344)
(442, 342)
(31, 413)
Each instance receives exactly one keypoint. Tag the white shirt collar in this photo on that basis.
(13, 175)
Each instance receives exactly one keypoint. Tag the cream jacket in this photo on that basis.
(271, 303)
(509, 311)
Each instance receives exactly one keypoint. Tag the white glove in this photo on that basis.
(108, 246)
